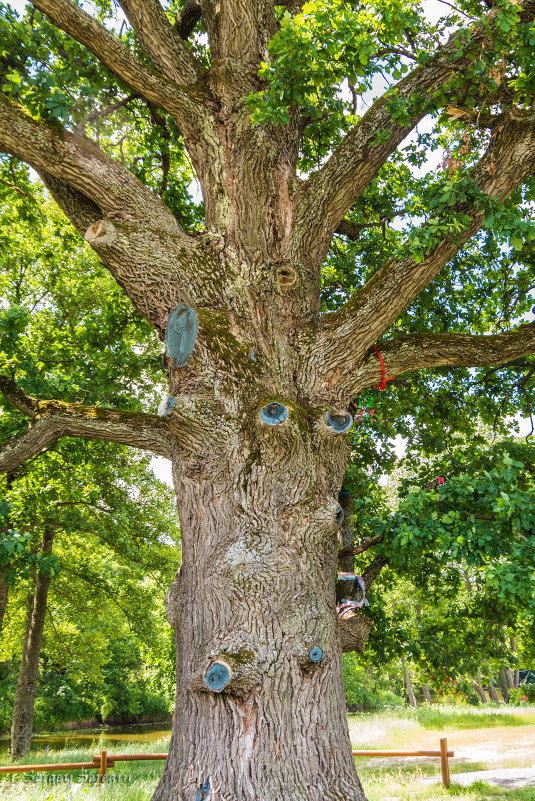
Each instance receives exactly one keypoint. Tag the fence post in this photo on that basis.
(444, 763)
(103, 766)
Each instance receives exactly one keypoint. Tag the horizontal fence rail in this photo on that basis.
(103, 761)
(444, 755)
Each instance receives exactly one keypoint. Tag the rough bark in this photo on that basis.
(427, 692)
(354, 633)
(187, 19)
(260, 526)
(257, 502)
(23, 707)
(346, 561)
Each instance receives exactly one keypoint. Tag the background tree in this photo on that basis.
(257, 107)
(80, 499)
(453, 564)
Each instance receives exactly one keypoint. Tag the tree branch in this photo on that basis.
(331, 192)
(187, 19)
(353, 551)
(353, 230)
(343, 339)
(374, 568)
(418, 351)
(54, 419)
(162, 43)
(184, 95)
(78, 162)
(70, 18)
(129, 227)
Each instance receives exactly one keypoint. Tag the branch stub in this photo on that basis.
(286, 276)
(315, 654)
(339, 422)
(274, 413)
(218, 676)
(166, 406)
(181, 334)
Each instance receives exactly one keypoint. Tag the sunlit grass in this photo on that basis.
(383, 780)
(400, 788)
(391, 728)
(128, 781)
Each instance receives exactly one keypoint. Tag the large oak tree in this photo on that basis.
(257, 412)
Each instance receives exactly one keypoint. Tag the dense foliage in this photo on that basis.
(458, 552)
(107, 649)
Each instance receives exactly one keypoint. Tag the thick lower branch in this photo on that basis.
(418, 351)
(70, 18)
(55, 419)
(356, 549)
(77, 162)
(128, 226)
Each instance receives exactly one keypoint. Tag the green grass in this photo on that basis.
(400, 781)
(388, 788)
(137, 780)
(390, 728)
(458, 717)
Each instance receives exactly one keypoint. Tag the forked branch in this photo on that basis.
(162, 43)
(332, 191)
(342, 340)
(129, 227)
(79, 163)
(69, 17)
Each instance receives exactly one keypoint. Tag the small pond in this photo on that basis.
(107, 737)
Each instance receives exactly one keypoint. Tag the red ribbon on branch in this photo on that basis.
(384, 380)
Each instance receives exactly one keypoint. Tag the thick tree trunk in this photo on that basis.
(408, 683)
(23, 707)
(427, 692)
(510, 677)
(493, 695)
(256, 593)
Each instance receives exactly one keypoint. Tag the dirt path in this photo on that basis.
(503, 756)
(509, 778)
(500, 747)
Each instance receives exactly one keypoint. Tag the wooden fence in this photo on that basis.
(444, 755)
(103, 761)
